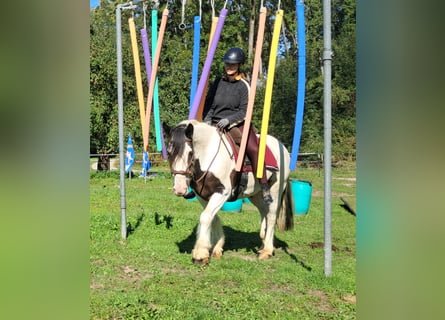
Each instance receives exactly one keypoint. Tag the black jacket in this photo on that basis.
(227, 99)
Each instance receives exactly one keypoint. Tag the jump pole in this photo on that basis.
(155, 80)
(153, 74)
(195, 62)
(147, 60)
(147, 57)
(301, 39)
(137, 71)
(255, 72)
(202, 102)
(207, 64)
(268, 94)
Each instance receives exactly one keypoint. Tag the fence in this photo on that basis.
(110, 161)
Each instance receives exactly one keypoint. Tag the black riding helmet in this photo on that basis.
(234, 55)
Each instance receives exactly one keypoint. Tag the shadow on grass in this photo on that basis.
(131, 229)
(167, 219)
(239, 240)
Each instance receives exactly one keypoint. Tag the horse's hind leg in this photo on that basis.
(217, 235)
(268, 220)
(268, 248)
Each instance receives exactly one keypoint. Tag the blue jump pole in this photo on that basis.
(301, 39)
(195, 65)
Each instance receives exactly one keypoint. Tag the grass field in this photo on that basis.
(151, 276)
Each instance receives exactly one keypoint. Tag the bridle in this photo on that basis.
(188, 171)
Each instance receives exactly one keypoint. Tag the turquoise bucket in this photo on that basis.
(233, 206)
(301, 196)
(191, 199)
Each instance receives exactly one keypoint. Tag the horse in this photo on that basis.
(201, 158)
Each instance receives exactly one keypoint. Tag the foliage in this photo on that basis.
(174, 72)
(151, 276)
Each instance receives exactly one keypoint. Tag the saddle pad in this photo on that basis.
(270, 161)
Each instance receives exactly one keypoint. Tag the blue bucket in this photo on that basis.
(301, 196)
(191, 199)
(234, 206)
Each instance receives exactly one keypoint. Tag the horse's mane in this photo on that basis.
(178, 138)
(177, 141)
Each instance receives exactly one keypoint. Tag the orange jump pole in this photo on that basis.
(255, 72)
(137, 71)
(268, 94)
(154, 70)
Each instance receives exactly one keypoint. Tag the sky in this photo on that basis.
(94, 3)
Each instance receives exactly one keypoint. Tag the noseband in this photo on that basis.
(187, 172)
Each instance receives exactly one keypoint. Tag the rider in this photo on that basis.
(226, 107)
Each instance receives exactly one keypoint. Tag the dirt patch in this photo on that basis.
(246, 257)
(96, 286)
(348, 179)
(315, 245)
(131, 274)
(350, 298)
(323, 304)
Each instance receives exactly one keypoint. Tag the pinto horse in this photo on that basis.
(202, 158)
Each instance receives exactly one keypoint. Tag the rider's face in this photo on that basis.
(231, 68)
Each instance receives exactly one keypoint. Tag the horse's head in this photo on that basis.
(180, 155)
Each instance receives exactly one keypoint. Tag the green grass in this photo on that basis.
(151, 276)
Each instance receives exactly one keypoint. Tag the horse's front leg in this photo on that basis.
(209, 222)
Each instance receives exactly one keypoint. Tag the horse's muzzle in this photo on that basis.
(180, 186)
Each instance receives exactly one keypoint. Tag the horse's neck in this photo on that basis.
(207, 143)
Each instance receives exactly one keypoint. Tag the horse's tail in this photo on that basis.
(285, 219)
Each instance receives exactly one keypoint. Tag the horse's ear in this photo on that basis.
(167, 128)
(189, 131)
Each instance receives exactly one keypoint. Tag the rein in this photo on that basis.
(188, 172)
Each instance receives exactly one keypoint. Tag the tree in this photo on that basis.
(174, 73)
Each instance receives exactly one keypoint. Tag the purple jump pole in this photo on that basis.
(207, 65)
(147, 57)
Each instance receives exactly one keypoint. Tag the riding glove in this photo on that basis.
(223, 123)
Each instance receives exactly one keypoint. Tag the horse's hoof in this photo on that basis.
(201, 262)
(263, 255)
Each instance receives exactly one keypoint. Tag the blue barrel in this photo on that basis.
(233, 206)
(301, 196)
(191, 199)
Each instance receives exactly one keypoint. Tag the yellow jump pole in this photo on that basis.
(255, 72)
(153, 76)
(137, 71)
(268, 94)
(203, 97)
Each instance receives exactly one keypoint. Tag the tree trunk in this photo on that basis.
(251, 32)
(103, 163)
